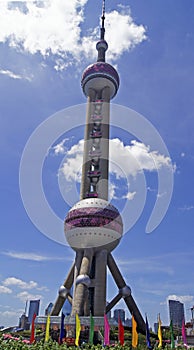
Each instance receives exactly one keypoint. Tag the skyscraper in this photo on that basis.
(119, 313)
(48, 309)
(176, 312)
(93, 226)
(33, 309)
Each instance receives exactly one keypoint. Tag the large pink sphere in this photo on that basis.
(93, 223)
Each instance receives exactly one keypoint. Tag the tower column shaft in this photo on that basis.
(100, 283)
(102, 186)
(102, 142)
(85, 182)
(81, 289)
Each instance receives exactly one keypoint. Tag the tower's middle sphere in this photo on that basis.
(93, 223)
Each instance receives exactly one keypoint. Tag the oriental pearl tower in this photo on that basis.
(93, 226)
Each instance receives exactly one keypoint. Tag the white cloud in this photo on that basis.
(128, 36)
(181, 298)
(23, 296)
(125, 161)
(10, 317)
(60, 148)
(150, 265)
(135, 158)
(18, 283)
(187, 208)
(71, 168)
(10, 74)
(5, 290)
(53, 27)
(112, 190)
(130, 195)
(8, 314)
(12, 281)
(31, 256)
(13, 75)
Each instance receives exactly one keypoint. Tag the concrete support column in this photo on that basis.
(85, 182)
(100, 283)
(82, 283)
(63, 293)
(70, 299)
(78, 260)
(126, 294)
(86, 303)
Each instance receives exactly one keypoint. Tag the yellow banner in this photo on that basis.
(134, 333)
(78, 329)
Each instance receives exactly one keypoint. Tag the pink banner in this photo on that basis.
(106, 331)
(184, 333)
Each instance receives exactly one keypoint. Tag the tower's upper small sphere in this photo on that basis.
(99, 75)
(93, 223)
(101, 44)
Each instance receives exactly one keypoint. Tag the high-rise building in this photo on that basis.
(33, 309)
(93, 226)
(128, 322)
(156, 327)
(48, 309)
(23, 322)
(119, 313)
(176, 312)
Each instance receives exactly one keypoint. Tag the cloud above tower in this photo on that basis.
(53, 28)
(125, 160)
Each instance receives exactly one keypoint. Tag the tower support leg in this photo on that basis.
(82, 283)
(126, 293)
(113, 302)
(78, 261)
(100, 283)
(63, 293)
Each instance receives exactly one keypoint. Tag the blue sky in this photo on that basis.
(44, 49)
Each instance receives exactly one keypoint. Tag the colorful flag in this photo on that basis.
(48, 321)
(148, 342)
(159, 331)
(77, 329)
(121, 331)
(106, 331)
(62, 333)
(134, 333)
(172, 344)
(91, 334)
(32, 336)
(184, 333)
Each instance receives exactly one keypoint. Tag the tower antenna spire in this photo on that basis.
(102, 45)
(102, 30)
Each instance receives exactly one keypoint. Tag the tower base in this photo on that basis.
(89, 274)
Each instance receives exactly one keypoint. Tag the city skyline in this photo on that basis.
(156, 82)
